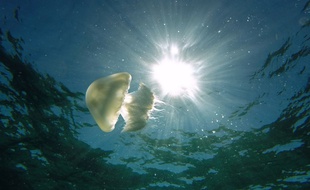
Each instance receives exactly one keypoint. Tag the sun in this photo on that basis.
(175, 77)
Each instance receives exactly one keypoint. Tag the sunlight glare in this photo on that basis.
(175, 77)
(174, 50)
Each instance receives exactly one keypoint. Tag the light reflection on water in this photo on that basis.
(249, 118)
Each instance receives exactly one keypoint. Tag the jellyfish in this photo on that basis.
(108, 97)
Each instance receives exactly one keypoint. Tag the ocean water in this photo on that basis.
(243, 124)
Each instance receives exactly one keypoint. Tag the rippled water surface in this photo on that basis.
(239, 120)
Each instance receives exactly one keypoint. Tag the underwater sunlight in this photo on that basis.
(155, 94)
(175, 77)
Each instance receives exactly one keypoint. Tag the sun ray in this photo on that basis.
(174, 76)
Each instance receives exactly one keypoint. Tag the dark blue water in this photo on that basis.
(245, 126)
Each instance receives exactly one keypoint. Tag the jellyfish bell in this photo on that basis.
(107, 98)
(104, 99)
